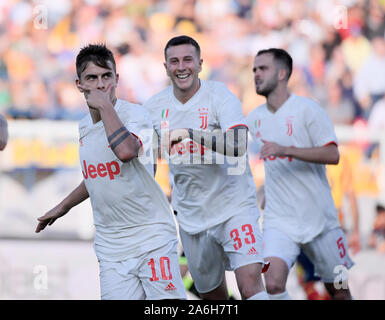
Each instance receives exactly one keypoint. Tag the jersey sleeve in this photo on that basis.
(148, 106)
(319, 126)
(229, 110)
(140, 125)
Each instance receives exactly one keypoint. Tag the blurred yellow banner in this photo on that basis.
(41, 144)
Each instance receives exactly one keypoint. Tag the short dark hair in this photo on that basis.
(282, 57)
(177, 41)
(99, 54)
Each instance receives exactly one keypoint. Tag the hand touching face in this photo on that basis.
(98, 84)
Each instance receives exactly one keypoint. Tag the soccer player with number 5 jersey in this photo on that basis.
(297, 139)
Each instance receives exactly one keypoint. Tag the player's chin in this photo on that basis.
(183, 84)
(262, 91)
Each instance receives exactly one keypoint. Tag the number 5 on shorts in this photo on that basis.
(162, 261)
(341, 247)
(234, 234)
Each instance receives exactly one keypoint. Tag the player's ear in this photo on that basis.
(282, 74)
(77, 82)
(200, 65)
(117, 78)
(165, 66)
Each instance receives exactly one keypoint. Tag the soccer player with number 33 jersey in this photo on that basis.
(203, 136)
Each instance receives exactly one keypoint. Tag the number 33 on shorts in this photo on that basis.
(247, 236)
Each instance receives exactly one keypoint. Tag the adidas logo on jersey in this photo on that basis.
(252, 251)
(170, 287)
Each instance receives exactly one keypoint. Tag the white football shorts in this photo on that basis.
(227, 246)
(153, 276)
(328, 251)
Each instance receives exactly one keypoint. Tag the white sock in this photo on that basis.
(262, 295)
(280, 296)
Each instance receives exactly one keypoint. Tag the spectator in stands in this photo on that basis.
(369, 84)
(339, 108)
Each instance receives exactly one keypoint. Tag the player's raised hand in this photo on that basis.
(271, 149)
(50, 217)
(169, 138)
(177, 135)
(97, 98)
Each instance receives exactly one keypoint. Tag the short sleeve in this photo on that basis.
(319, 126)
(139, 123)
(229, 110)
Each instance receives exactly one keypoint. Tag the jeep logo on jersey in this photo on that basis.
(203, 113)
(101, 169)
(190, 146)
(289, 124)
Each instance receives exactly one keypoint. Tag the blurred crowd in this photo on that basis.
(338, 49)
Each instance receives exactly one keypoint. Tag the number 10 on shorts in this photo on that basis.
(246, 230)
(162, 262)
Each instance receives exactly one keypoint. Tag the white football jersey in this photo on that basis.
(208, 188)
(131, 213)
(298, 196)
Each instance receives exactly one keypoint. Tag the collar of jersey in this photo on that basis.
(284, 106)
(179, 105)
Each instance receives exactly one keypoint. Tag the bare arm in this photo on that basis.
(231, 143)
(124, 144)
(328, 154)
(78, 195)
(3, 132)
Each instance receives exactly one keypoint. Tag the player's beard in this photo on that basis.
(268, 87)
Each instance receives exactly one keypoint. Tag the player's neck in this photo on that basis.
(185, 95)
(276, 99)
